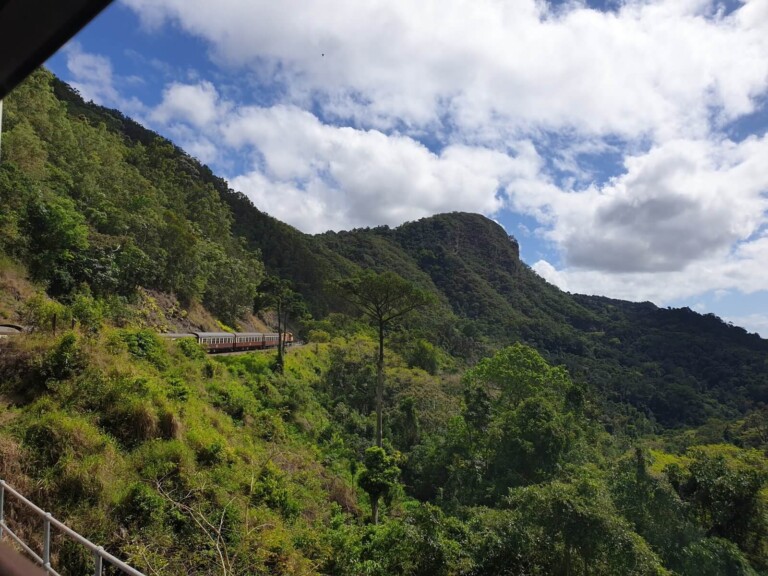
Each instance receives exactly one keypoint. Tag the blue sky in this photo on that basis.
(623, 142)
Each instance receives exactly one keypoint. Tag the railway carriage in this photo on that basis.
(234, 342)
(216, 341)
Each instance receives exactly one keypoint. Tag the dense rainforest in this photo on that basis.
(525, 430)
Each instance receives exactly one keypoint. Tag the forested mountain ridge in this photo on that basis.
(674, 365)
(526, 430)
(147, 214)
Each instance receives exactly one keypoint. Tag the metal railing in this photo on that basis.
(99, 554)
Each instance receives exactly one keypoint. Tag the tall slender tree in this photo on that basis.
(383, 298)
(277, 294)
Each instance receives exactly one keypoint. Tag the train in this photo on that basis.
(214, 342)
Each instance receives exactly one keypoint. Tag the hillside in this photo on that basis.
(673, 365)
(526, 430)
(126, 208)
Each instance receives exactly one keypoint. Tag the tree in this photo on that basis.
(58, 235)
(383, 298)
(379, 476)
(725, 488)
(277, 294)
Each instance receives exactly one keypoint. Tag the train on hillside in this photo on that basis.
(234, 342)
(212, 341)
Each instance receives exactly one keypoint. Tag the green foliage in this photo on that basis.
(146, 345)
(726, 487)
(57, 235)
(87, 311)
(318, 336)
(271, 489)
(190, 348)
(379, 475)
(42, 313)
(425, 356)
(715, 557)
(67, 359)
(531, 462)
(580, 530)
(519, 426)
(88, 205)
(141, 506)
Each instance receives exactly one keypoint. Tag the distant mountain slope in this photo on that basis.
(673, 365)
(91, 199)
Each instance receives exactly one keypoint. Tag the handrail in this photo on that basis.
(99, 553)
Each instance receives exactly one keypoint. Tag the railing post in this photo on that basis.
(97, 561)
(47, 543)
(2, 507)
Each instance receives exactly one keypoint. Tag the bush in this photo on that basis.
(167, 460)
(190, 348)
(270, 489)
(88, 312)
(141, 506)
(42, 313)
(235, 400)
(177, 389)
(319, 336)
(424, 356)
(65, 361)
(146, 345)
(55, 435)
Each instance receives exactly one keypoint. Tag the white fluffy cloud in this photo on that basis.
(94, 78)
(685, 218)
(93, 75)
(655, 68)
(681, 202)
(742, 270)
(196, 104)
(317, 176)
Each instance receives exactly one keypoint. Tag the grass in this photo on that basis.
(118, 430)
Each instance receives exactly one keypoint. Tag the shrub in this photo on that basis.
(234, 399)
(141, 506)
(146, 345)
(87, 311)
(270, 489)
(67, 359)
(55, 435)
(190, 348)
(177, 389)
(42, 313)
(168, 460)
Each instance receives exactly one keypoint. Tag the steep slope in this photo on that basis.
(93, 203)
(673, 366)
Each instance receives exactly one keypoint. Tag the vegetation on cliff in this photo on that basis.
(524, 430)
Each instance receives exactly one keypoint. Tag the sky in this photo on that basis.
(622, 142)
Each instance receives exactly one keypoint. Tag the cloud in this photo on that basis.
(681, 202)
(686, 218)
(319, 177)
(522, 105)
(196, 104)
(650, 68)
(92, 73)
(94, 78)
(742, 271)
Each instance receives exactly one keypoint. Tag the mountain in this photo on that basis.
(526, 430)
(92, 199)
(673, 365)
